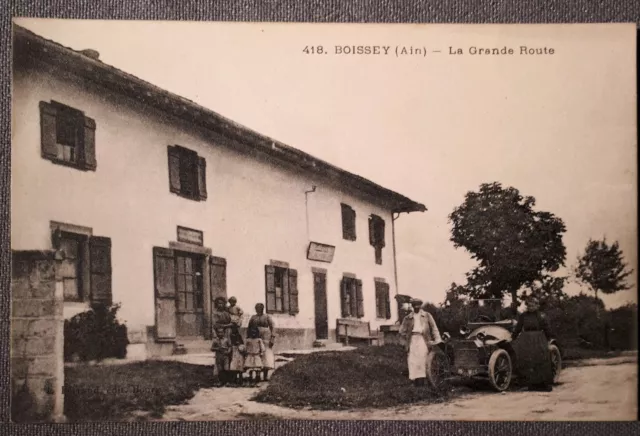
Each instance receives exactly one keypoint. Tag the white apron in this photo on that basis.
(268, 358)
(417, 358)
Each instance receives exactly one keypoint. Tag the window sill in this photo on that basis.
(64, 163)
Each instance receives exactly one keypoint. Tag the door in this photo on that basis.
(189, 294)
(320, 299)
(165, 293)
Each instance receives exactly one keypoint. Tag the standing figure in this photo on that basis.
(264, 324)
(221, 346)
(236, 365)
(420, 333)
(531, 343)
(220, 317)
(255, 350)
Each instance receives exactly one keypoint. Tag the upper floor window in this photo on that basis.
(187, 173)
(348, 222)
(376, 236)
(67, 136)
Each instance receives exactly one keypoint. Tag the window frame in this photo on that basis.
(349, 227)
(191, 171)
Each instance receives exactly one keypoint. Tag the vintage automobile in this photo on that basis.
(485, 351)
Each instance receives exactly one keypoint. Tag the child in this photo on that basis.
(255, 350)
(236, 365)
(236, 312)
(221, 345)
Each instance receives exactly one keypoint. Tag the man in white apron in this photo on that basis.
(420, 333)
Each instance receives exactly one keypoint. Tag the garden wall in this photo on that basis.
(37, 368)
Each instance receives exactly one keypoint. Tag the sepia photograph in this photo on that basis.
(217, 221)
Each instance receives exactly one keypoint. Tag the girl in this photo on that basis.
(255, 349)
(236, 366)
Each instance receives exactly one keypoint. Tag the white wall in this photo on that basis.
(255, 211)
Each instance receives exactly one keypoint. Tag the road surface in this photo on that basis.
(598, 390)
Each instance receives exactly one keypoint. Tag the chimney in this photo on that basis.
(93, 54)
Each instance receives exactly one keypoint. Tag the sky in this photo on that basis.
(560, 127)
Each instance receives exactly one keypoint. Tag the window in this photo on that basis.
(281, 290)
(351, 298)
(348, 223)
(187, 173)
(383, 305)
(85, 268)
(376, 236)
(189, 283)
(67, 136)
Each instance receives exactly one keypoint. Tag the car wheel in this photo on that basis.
(500, 370)
(556, 362)
(438, 370)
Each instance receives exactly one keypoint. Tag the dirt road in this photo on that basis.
(596, 391)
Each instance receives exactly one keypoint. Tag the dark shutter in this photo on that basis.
(379, 301)
(285, 289)
(380, 232)
(202, 178)
(49, 149)
(100, 268)
(348, 222)
(387, 301)
(270, 287)
(89, 146)
(344, 297)
(359, 299)
(218, 277)
(372, 232)
(293, 292)
(165, 293)
(174, 169)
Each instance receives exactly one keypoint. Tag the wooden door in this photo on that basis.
(320, 300)
(165, 293)
(189, 295)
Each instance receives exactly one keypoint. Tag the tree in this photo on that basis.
(514, 244)
(602, 267)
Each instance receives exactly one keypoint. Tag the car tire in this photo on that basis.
(556, 362)
(438, 369)
(500, 370)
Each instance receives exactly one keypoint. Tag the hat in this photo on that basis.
(416, 302)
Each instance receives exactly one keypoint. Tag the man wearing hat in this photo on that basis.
(420, 332)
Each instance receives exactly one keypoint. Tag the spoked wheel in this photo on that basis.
(438, 370)
(556, 362)
(500, 370)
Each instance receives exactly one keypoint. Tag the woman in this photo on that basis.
(531, 343)
(221, 318)
(420, 332)
(264, 324)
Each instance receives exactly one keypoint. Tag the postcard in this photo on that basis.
(238, 221)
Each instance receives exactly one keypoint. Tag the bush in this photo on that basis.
(95, 335)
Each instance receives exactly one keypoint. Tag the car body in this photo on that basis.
(485, 350)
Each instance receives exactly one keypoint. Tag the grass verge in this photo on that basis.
(369, 377)
(99, 393)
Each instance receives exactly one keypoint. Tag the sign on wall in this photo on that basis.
(320, 252)
(190, 236)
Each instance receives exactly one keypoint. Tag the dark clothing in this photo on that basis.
(531, 346)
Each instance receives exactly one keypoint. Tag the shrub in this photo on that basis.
(95, 335)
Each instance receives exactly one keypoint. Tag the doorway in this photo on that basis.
(320, 300)
(190, 295)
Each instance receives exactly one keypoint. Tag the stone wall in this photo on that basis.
(37, 338)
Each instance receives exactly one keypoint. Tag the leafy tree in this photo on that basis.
(602, 268)
(514, 244)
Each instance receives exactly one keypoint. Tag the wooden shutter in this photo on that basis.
(379, 300)
(348, 222)
(174, 169)
(344, 297)
(359, 299)
(164, 268)
(285, 289)
(293, 292)
(89, 146)
(100, 269)
(202, 178)
(387, 301)
(380, 232)
(372, 233)
(218, 277)
(49, 148)
(270, 287)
